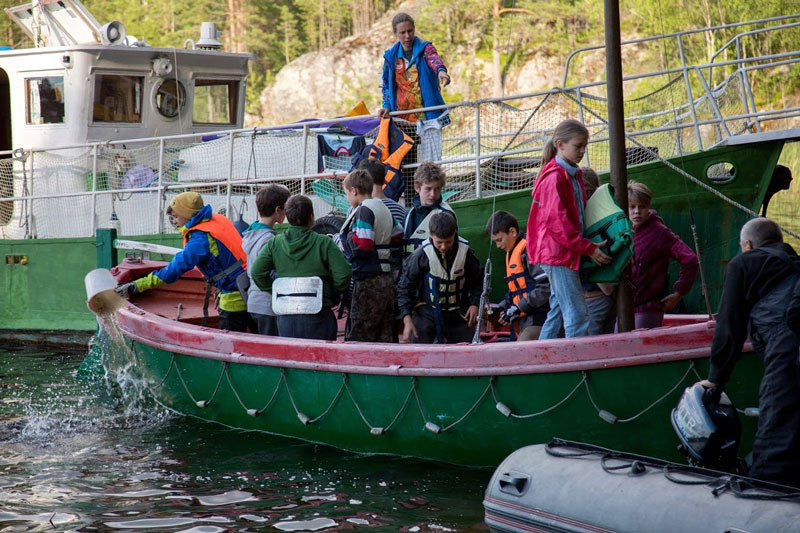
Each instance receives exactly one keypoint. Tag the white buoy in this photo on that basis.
(100, 295)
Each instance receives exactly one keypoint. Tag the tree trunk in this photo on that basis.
(230, 35)
(286, 40)
(497, 77)
(322, 28)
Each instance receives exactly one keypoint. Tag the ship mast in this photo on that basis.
(616, 141)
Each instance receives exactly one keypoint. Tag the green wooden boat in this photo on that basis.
(469, 404)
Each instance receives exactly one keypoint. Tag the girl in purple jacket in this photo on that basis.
(653, 246)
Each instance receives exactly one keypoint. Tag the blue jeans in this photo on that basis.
(567, 306)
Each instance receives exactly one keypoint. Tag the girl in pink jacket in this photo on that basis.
(555, 230)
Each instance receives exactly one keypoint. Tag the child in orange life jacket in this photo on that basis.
(554, 237)
(213, 245)
(440, 287)
(367, 237)
(598, 296)
(528, 288)
(429, 180)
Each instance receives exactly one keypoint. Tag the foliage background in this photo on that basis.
(509, 32)
(279, 31)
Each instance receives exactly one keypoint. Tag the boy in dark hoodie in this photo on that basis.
(298, 253)
(654, 244)
(429, 180)
(440, 287)
(270, 202)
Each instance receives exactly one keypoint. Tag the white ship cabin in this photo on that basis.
(84, 82)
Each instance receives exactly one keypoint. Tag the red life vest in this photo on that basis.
(225, 232)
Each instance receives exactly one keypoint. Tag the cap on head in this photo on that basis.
(186, 204)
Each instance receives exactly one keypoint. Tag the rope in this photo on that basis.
(495, 159)
(634, 417)
(333, 402)
(396, 417)
(171, 364)
(717, 483)
(191, 397)
(206, 403)
(486, 289)
(531, 415)
(253, 412)
(682, 172)
(669, 471)
(488, 387)
(431, 426)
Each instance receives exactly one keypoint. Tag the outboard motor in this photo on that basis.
(708, 427)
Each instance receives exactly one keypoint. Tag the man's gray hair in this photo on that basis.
(759, 231)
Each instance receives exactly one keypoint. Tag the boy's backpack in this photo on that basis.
(606, 221)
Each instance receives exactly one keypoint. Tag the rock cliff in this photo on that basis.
(330, 82)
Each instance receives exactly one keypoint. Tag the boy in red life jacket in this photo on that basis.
(528, 288)
(213, 245)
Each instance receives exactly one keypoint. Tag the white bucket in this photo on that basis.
(100, 295)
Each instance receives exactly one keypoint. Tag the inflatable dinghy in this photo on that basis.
(566, 486)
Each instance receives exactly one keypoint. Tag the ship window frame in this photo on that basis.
(138, 106)
(721, 179)
(233, 85)
(28, 100)
(179, 109)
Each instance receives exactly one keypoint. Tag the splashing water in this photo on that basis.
(121, 378)
(75, 457)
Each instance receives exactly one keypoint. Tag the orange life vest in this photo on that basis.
(225, 232)
(517, 275)
(391, 160)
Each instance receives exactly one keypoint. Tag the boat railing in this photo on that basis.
(489, 146)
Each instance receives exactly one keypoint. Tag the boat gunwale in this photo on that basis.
(684, 342)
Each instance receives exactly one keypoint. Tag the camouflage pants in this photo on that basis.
(371, 315)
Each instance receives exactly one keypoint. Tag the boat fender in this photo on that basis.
(297, 296)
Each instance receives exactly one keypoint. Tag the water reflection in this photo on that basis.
(73, 459)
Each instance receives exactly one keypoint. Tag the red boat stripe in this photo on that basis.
(550, 516)
(563, 355)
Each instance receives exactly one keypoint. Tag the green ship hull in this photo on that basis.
(42, 278)
(464, 404)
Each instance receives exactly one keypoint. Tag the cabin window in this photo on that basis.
(117, 98)
(215, 101)
(170, 98)
(720, 173)
(45, 100)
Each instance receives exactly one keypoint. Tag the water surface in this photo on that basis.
(77, 457)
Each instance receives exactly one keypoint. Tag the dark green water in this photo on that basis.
(72, 458)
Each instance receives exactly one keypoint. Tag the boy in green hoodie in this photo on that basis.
(298, 253)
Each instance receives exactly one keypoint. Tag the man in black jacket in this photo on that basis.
(758, 287)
